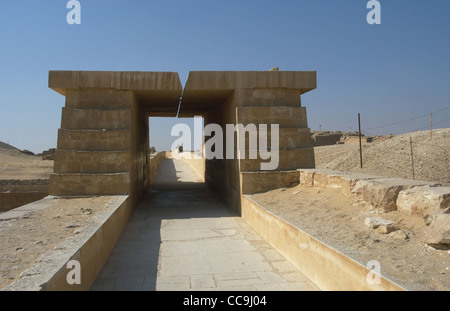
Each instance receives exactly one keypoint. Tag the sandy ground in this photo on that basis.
(392, 157)
(17, 165)
(331, 217)
(25, 238)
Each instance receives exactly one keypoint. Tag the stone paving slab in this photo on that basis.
(193, 242)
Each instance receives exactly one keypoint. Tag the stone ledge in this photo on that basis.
(255, 182)
(380, 192)
(91, 245)
(325, 266)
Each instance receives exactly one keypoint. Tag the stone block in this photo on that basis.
(383, 225)
(437, 234)
(89, 184)
(335, 179)
(307, 177)
(382, 193)
(90, 98)
(95, 119)
(267, 97)
(11, 200)
(325, 178)
(94, 140)
(288, 138)
(422, 200)
(290, 117)
(256, 182)
(288, 160)
(72, 161)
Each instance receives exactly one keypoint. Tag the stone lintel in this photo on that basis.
(158, 92)
(303, 81)
(60, 81)
(206, 89)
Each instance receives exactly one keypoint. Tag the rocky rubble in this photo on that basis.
(385, 195)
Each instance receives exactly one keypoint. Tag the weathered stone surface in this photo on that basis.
(382, 225)
(382, 193)
(325, 178)
(344, 181)
(387, 229)
(429, 218)
(437, 234)
(398, 234)
(307, 177)
(375, 222)
(255, 182)
(288, 160)
(423, 199)
(288, 117)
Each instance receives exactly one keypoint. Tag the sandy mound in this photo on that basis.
(17, 165)
(392, 157)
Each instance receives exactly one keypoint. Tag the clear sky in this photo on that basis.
(392, 72)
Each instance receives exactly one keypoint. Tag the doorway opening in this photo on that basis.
(181, 141)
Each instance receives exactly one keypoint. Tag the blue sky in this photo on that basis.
(389, 73)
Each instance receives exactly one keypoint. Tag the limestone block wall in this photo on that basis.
(11, 200)
(15, 193)
(282, 107)
(252, 97)
(222, 175)
(139, 164)
(95, 143)
(103, 143)
(103, 140)
(154, 161)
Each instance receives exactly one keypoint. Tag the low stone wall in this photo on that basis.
(323, 265)
(384, 194)
(195, 160)
(15, 193)
(11, 200)
(256, 182)
(90, 246)
(155, 160)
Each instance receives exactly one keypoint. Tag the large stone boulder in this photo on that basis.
(382, 193)
(423, 200)
(437, 235)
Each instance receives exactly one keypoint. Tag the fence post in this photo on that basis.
(431, 126)
(360, 145)
(412, 157)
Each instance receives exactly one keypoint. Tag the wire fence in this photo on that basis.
(441, 119)
(417, 155)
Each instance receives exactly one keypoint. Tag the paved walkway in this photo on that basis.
(181, 237)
